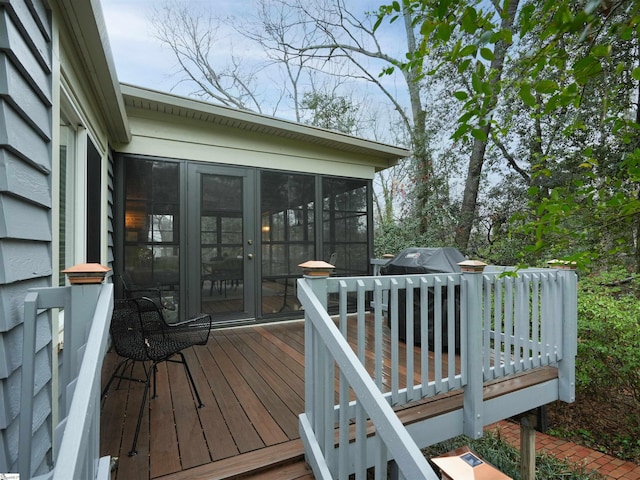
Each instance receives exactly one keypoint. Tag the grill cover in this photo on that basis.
(424, 260)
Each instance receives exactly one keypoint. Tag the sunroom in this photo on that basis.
(218, 207)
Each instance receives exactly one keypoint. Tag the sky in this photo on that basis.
(141, 59)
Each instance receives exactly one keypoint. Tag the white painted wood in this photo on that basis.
(503, 322)
(378, 410)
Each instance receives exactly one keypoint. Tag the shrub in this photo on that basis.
(609, 334)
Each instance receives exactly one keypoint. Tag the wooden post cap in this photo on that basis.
(316, 268)
(472, 266)
(562, 264)
(86, 273)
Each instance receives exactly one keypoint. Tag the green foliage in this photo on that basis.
(395, 237)
(571, 94)
(506, 458)
(609, 334)
(332, 112)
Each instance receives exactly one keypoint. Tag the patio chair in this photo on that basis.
(140, 334)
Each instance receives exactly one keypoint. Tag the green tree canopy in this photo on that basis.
(573, 85)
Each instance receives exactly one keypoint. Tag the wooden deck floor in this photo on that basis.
(251, 381)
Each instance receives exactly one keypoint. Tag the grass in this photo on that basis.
(492, 448)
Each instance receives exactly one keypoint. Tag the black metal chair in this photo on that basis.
(140, 334)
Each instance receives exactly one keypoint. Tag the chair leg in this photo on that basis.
(133, 450)
(155, 376)
(121, 365)
(193, 384)
(120, 374)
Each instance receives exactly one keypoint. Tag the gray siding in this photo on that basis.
(25, 215)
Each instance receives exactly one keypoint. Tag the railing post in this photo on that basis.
(567, 365)
(472, 303)
(318, 367)
(76, 331)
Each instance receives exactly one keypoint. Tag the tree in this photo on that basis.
(580, 58)
(343, 36)
(329, 111)
(192, 35)
(445, 26)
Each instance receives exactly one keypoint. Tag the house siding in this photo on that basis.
(25, 216)
(163, 135)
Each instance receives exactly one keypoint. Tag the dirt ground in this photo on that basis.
(610, 425)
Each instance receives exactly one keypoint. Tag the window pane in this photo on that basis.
(345, 224)
(152, 222)
(287, 209)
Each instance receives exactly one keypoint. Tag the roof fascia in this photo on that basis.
(86, 23)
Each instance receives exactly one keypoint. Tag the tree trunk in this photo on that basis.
(421, 157)
(476, 162)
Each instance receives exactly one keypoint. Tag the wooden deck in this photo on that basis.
(251, 380)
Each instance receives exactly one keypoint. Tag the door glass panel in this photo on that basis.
(287, 219)
(152, 240)
(221, 244)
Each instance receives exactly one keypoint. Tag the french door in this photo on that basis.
(221, 242)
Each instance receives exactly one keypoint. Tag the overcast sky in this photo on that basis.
(141, 60)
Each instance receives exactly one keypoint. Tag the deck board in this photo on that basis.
(244, 434)
(164, 441)
(216, 431)
(251, 381)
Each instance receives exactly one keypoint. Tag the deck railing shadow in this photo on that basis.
(500, 325)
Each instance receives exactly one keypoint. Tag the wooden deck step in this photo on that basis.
(285, 461)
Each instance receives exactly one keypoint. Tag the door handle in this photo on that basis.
(250, 256)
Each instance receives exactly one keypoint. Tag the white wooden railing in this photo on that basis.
(499, 324)
(75, 446)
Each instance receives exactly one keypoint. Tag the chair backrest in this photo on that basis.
(151, 318)
(140, 332)
(126, 334)
(159, 339)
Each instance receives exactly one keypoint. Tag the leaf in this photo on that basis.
(461, 131)
(461, 95)
(601, 50)
(526, 96)
(464, 65)
(479, 134)
(586, 68)
(486, 53)
(636, 73)
(444, 32)
(546, 86)
(469, 51)
(476, 82)
(469, 20)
